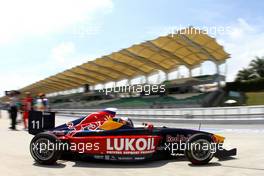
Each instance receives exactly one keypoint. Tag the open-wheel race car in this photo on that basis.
(103, 136)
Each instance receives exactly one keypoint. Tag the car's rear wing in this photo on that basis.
(40, 121)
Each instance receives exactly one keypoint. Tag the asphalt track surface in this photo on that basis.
(15, 159)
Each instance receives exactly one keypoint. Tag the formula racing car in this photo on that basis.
(102, 135)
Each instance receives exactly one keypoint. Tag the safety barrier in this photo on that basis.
(215, 113)
(221, 115)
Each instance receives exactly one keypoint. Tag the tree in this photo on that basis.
(255, 70)
(245, 74)
(258, 66)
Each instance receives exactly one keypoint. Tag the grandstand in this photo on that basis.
(182, 93)
(156, 101)
(164, 54)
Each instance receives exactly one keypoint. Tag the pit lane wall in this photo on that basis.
(215, 115)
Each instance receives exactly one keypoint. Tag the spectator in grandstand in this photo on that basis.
(41, 103)
(13, 108)
(27, 104)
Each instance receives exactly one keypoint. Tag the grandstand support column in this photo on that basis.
(114, 88)
(190, 72)
(142, 79)
(218, 74)
(146, 79)
(166, 76)
(129, 84)
(104, 86)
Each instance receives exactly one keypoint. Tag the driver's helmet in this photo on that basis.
(124, 121)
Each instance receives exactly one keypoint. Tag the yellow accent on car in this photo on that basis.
(110, 125)
(218, 138)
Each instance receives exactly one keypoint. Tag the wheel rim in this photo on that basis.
(199, 153)
(44, 150)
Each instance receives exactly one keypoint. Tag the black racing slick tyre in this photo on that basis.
(43, 148)
(199, 149)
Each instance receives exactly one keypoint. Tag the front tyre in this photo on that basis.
(43, 148)
(199, 149)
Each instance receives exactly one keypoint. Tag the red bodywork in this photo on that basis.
(113, 145)
(117, 145)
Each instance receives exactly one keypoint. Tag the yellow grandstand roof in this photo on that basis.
(188, 47)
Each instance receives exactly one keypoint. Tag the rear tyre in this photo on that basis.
(199, 149)
(43, 148)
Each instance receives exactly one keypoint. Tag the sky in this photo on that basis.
(39, 38)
